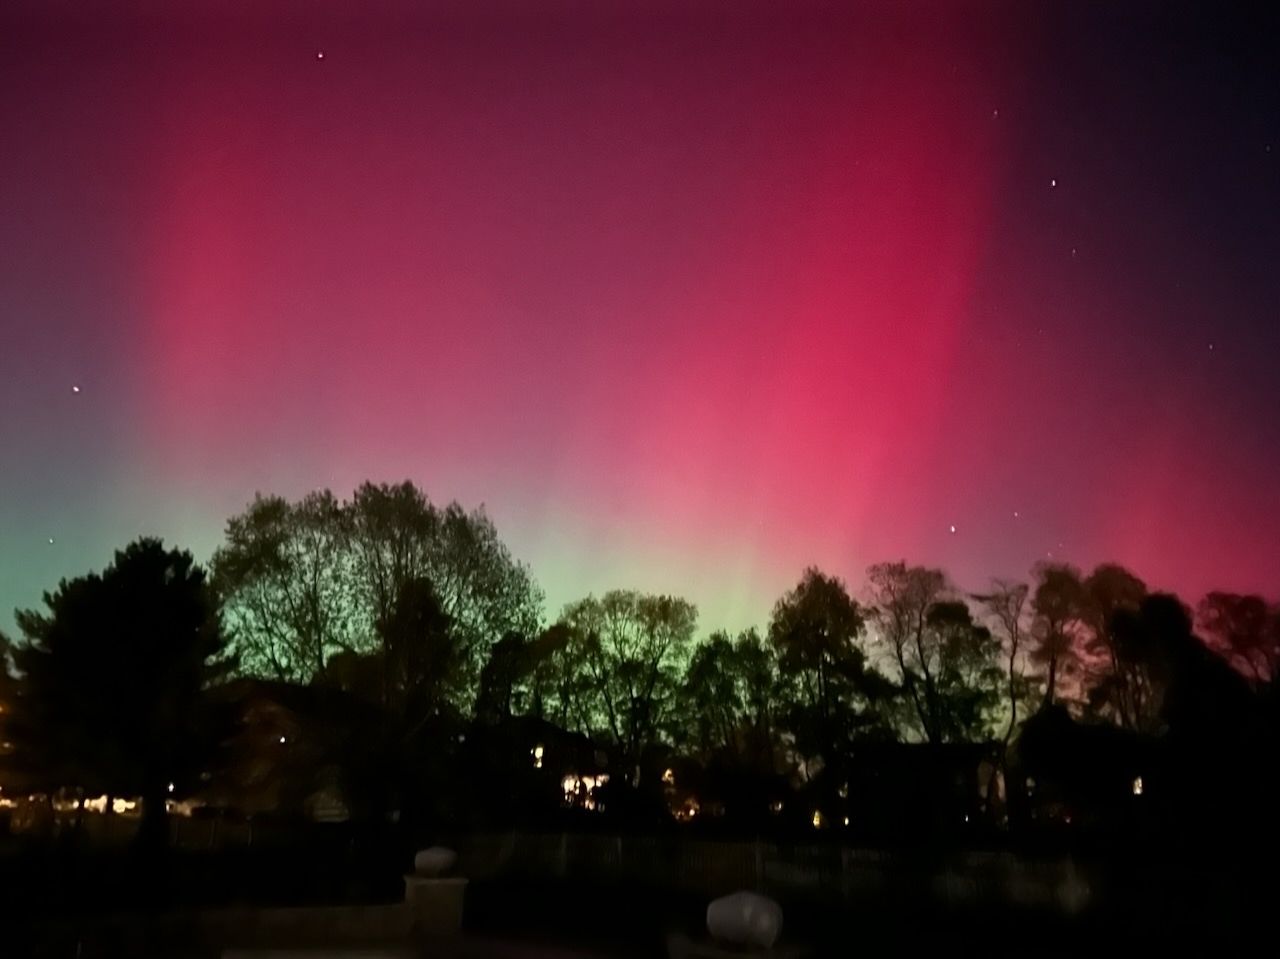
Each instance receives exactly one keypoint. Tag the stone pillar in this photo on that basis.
(434, 901)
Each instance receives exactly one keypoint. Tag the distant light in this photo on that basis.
(282, 740)
(319, 54)
(669, 776)
(537, 756)
(1053, 183)
(817, 819)
(1137, 785)
(170, 787)
(50, 540)
(846, 820)
(75, 389)
(953, 528)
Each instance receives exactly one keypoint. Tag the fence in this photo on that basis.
(825, 871)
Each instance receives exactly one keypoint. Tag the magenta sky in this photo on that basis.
(688, 300)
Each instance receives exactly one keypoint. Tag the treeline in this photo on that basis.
(422, 614)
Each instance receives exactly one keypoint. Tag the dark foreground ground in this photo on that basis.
(64, 901)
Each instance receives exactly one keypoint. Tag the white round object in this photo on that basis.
(435, 861)
(745, 919)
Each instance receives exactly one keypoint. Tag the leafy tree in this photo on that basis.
(563, 688)
(518, 673)
(508, 662)
(960, 674)
(1121, 685)
(110, 679)
(284, 578)
(398, 536)
(1058, 606)
(302, 583)
(421, 655)
(1245, 630)
(815, 629)
(946, 662)
(632, 648)
(728, 698)
(709, 696)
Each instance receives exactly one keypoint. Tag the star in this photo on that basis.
(1073, 253)
(1015, 514)
(1210, 347)
(953, 529)
(75, 389)
(995, 114)
(1053, 183)
(50, 540)
(319, 54)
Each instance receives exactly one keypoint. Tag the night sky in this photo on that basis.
(689, 295)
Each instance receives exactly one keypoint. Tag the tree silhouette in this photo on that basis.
(946, 661)
(1006, 605)
(1245, 630)
(815, 629)
(421, 656)
(304, 582)
(284, 578)
(632, 648)
(1122, 685)
(111, 680)
(728, 697)
(1058, 604)
(508, 661)
(398, 536)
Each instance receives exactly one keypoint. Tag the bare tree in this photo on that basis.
(1006, 606)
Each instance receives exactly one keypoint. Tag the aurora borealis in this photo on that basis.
(688, 295)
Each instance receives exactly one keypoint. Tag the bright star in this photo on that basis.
(953, 529)
(1053, 183)
(75, 389)
(319, 54)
